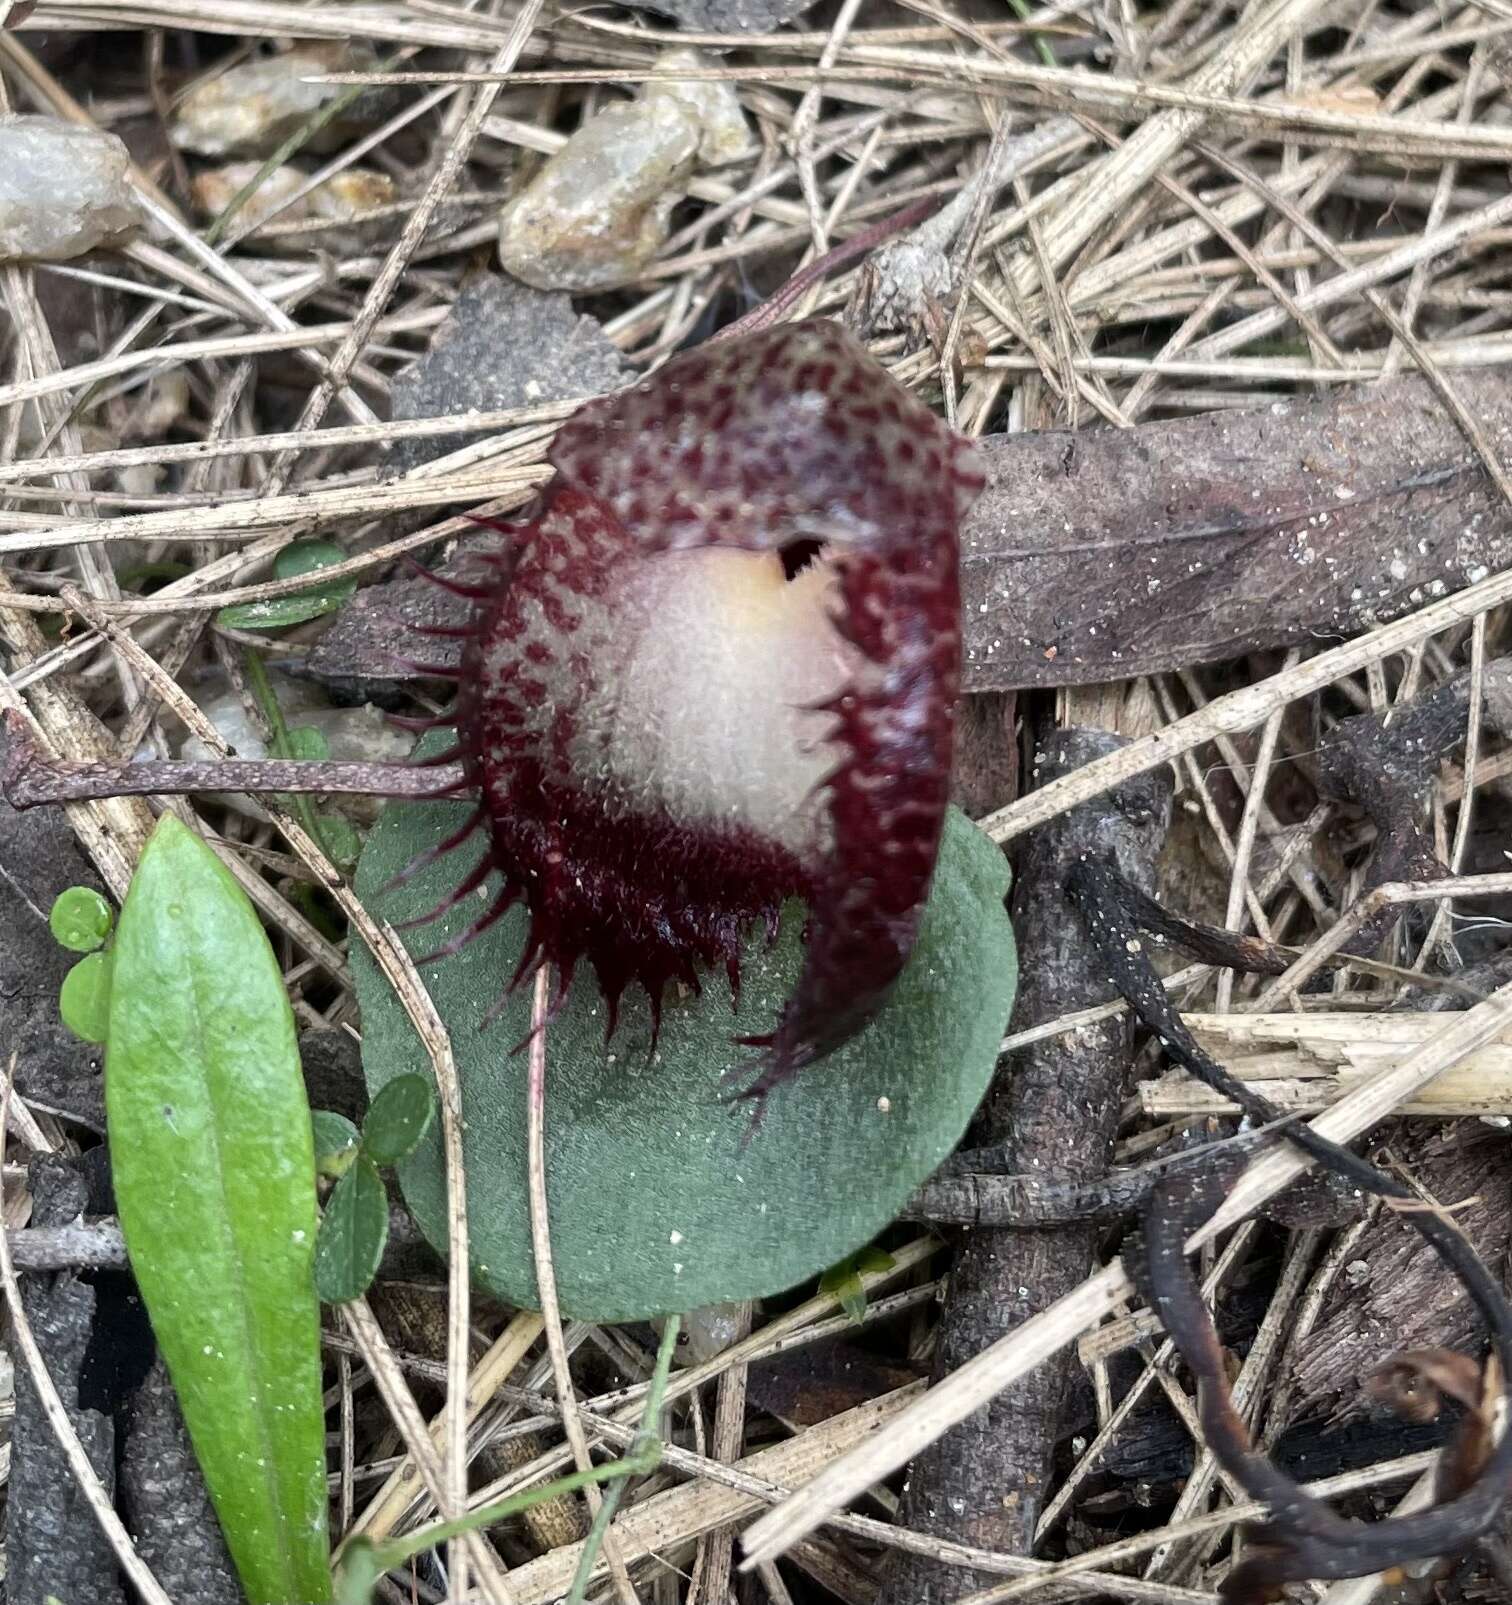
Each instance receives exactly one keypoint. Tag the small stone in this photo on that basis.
(728, 16)
(724, 135)
(502, 345)
(710, 1331)
(63, 190)
(251, 109)
(599, 210)
(341, 198)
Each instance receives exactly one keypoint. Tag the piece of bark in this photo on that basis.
(54, 1547)
(1484, 977)
(1054, 1110)
(1111, 553)
(728, 16)
(166, 1505)
(1155, 1446)
(76, 1246)
(985, 775)
(66, 1083)
(1395, 1293)
(1104, 554)
(810, 1384)
(503, 344)
(332, 1065)
(356, 657)
(1390, 771)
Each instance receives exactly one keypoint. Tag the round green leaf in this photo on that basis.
(307, 557)
(84, 997)
(661, 1197)
(397, 1119)
(353, 1231)
(337, 1141)
(80, 919)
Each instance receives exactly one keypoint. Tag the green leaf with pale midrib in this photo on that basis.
(398, 1119)
(353, 1233)
(213, 1163)
(657, 1201)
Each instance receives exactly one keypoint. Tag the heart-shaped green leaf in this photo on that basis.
(212, 1157)
(353, 1232)
(661, 1197)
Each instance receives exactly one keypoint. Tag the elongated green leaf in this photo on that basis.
(303, 557)
(352, 1234)
(215, 1184)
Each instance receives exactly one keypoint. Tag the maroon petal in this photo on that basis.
(671, 735)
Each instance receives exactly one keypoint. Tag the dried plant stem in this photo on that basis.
(32, 780)
(540, 1243)
(1244, 709)
(981, 1379)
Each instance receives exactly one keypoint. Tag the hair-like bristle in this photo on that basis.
(419, 725)
(443, 632)
(431, 855)
(427, 671)
(444, 582)
(648, 828)
(470, 883)
(491, 916)
(458, 750)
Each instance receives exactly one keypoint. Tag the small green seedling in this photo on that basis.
(354, 1228)
(337, 1143)
(844, 1279)
(82, 921)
